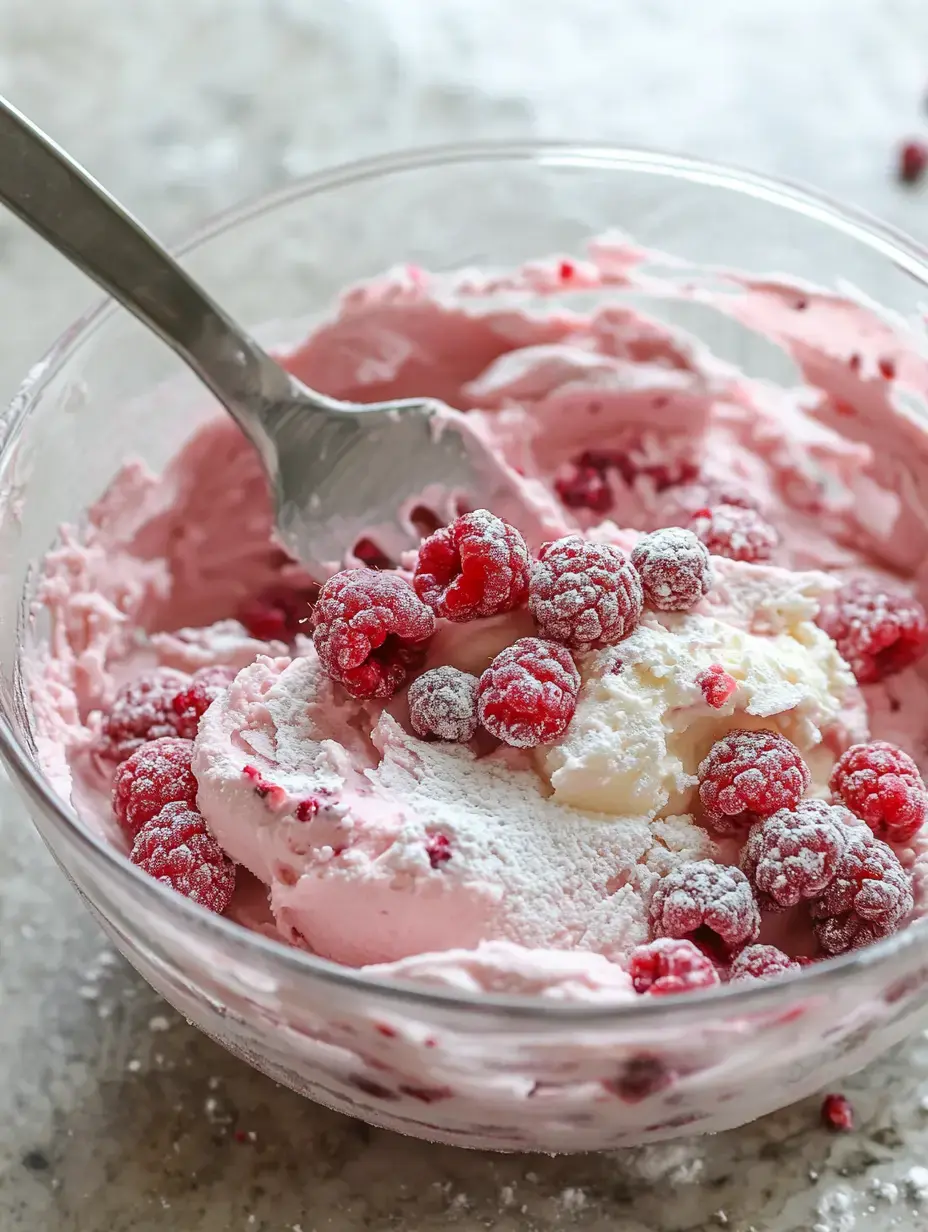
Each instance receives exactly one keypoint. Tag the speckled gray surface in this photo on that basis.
(114, 1114)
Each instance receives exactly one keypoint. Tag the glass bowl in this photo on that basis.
(508, 1073)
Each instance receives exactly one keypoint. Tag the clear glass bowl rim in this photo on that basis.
(275, 957)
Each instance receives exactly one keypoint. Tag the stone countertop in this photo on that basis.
(114, 1114)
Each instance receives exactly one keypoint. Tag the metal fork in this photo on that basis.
(335, 468)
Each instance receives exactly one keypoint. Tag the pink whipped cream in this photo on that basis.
(555, 852)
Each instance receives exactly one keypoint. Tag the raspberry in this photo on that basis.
(156, 774)
(868, 897)
(175, 848)
(279, 612)
(584, 594)
(192, 703)
(750, 774)
(142, 710)
(670, 966)
(706, 896)
(582, 486)
(367, 631)
(877, 631)
(443, 703)
(735, 532)
(477, 566)
(837, 1113)
(674, 568)
(882, 786)
(761, 962)
(528, 694)
(795, 853)
(438, 849)
(913, 159)
(716, 684)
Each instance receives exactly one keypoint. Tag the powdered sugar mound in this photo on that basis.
(519, 866)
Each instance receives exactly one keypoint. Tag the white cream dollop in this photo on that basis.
(643, 725)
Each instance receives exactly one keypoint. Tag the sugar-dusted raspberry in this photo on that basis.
(477, 566)
(190, 704)
(668, 965)
(703, 895)
(878, 631)
(735, 532)
(750, 774)
(881, 784)
(142, 710)
(279, 612)
(156, 774)
(443, 703)
(584, 594)
(716, 684)
(868, 897)
(761, 962)
(528, 694)
(368, 629)
(674, 567)
(795, 853)
(584, 486)
(176, 848)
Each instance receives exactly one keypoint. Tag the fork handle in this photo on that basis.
(55, 196)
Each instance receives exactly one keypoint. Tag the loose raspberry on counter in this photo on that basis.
(878, 631)
(477, 566)
(279, 612)
(142, 710)
(736, 532)
(912, 161)
(716, 684)
(156, 774)
(368, 630)
(750, 774)
(881, 784)
(795, 853)
(837, 1113)
(674, 567)
(443, 703)
(175, 847)
(761, 962)
(190, 704)
(868, 898)
(670, 966)
(528, 694)
(583, 486)
(703, 895)
(584, 595)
